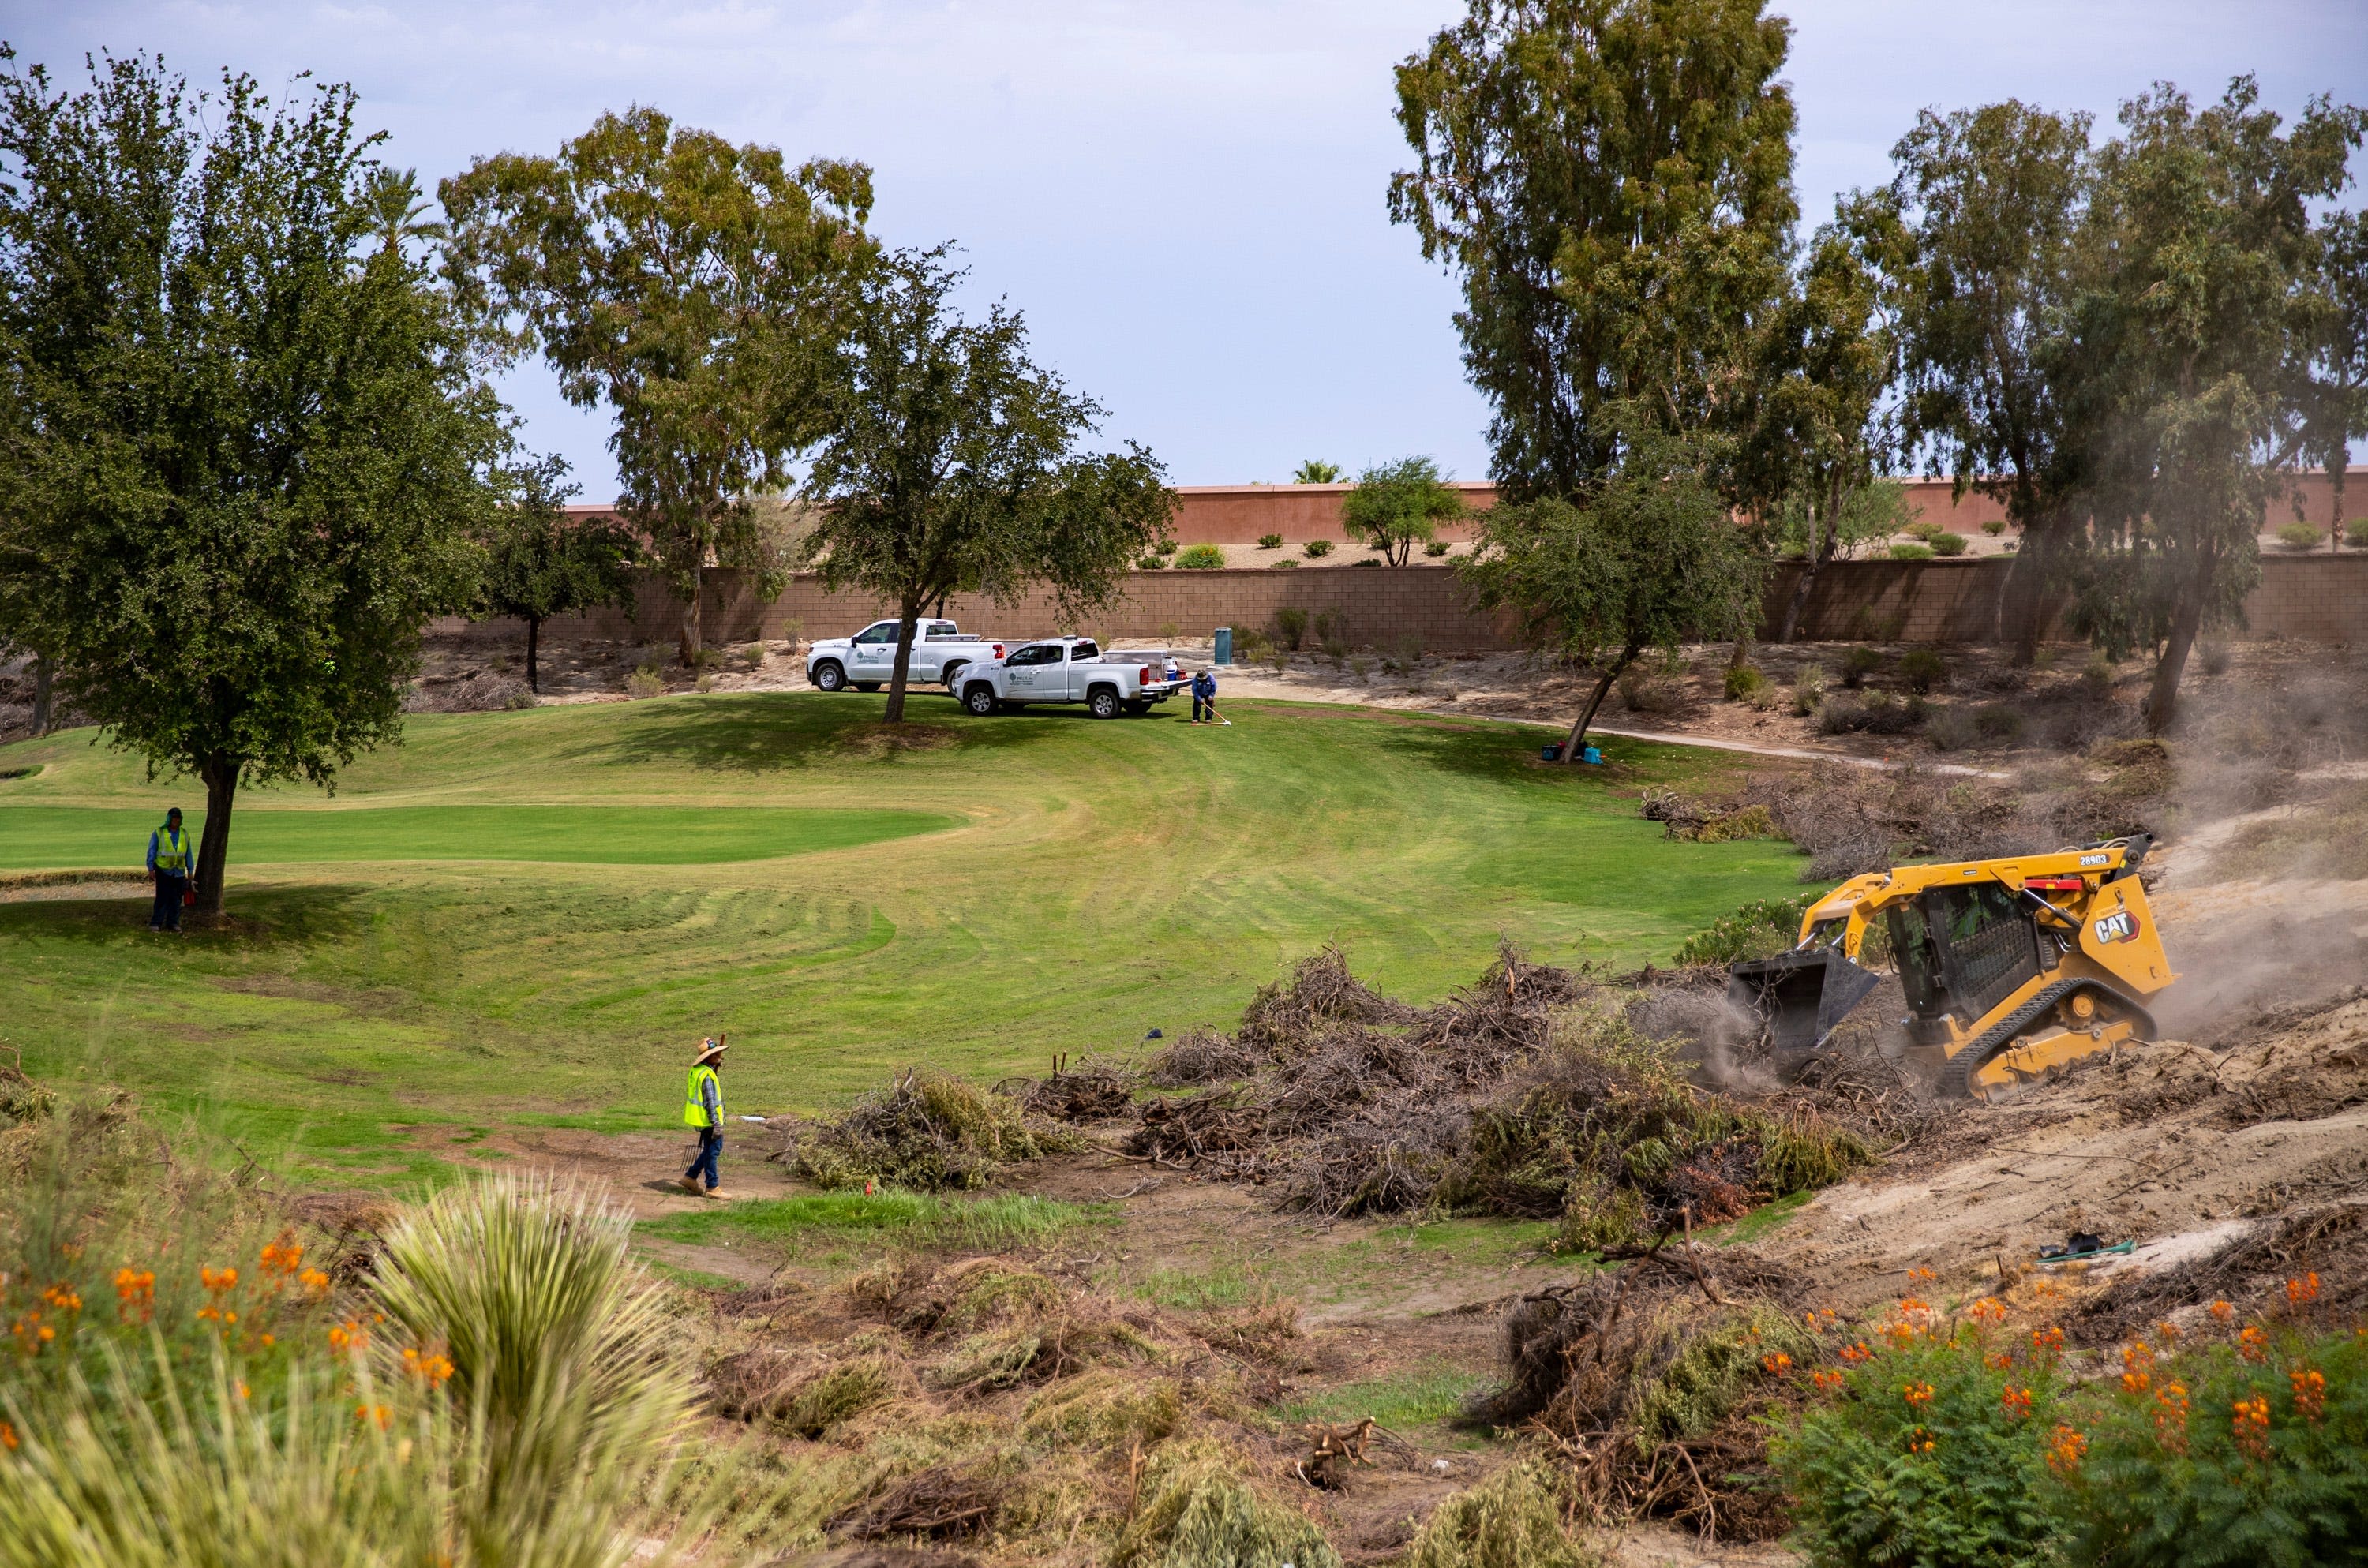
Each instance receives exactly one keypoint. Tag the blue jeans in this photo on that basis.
(166, 915)
(711, 1144)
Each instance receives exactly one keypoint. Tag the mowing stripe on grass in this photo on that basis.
(918, 1220)
(597, 836)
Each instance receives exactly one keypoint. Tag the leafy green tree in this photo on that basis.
(1651, 558)
(951, 468)
(1983, 219)
(1612, 182)
(541, 562)
(244, 444)
(1313, 472)
(1395, 504)
(2334, 370)
(2197, 251)
(1825, 429)
(699, 288)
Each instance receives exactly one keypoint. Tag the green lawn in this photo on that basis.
(1085, 882)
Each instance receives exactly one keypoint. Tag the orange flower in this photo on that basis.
(1857, 1353)
(135, 1293)
(282, 1257)
(430, 1369)
(1917, 1394)
(242, 1388)
(217, 1280)
(62, 1297)
(2253, 1342)
(1999, 1362)
(1989, 1309)
(1776, 1365)
(8, 1436)
(2310, 1393)
(377, 1414)
(1919, 1441)
(1827, 1381)
(2066, 1450)
(2137, 1366)
(2303, 1292)
(1924, 1276)
(2167, 1331)
(2252, 1426)
(2047, 1341)
(2223, 1310)
(2170, 1416)
(314, 1281)
(2015, 1402)
(348, 1335)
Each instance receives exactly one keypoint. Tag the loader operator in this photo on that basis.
(703, 1107)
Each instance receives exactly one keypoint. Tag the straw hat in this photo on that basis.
(708, 1051)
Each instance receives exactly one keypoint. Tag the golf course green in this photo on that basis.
(525, 918)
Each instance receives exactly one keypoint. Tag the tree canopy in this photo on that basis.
(699, 288)
(950, 465)
(1651, 560)
(539, 563)
(1611, 180)
(246, 443)
(1395, 503)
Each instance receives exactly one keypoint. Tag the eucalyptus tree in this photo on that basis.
(2198, 252)
(244, 443)
(1611, 181)
(699, 288)
(2332, 364)
(539, 563)
(951, 464)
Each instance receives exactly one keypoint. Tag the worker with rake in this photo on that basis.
(703, 1107)
(1204, 699)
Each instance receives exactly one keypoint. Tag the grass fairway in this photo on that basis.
(1098, 880)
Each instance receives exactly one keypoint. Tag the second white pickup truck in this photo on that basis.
(867, 661)
(1068, 669)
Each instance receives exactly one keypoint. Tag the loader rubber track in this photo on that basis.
(2002, 1034)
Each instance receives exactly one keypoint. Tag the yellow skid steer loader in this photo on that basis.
(2011, 967)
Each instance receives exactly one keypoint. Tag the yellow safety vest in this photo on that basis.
(694, 1110)
(172, 851)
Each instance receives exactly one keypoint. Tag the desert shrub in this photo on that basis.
(1946, 544)
(1927, 532)
(705, 683)
(1875, 713)
(837, 1394)
(2214, 658)
(1926, 1452)
(1281, 565)
(644, 682)
(1646, 690)
(1512, 1521)
(1758, 930)
(1200, 558)
(1743, 682)
(2097, 677)
(1911, 553)
(2299, 535)
(1335, 649)
(1950, 728)
(1369, 561)
(1923, 668)
(1998, 724)
(1808, 689)
(1317, 548)
(1857, 664)
(2225, 1453)
(1151, 563)
(1435, 548)
(1269, 541)
(1106, 1409)
(924, 1130)
(1995, 527)
(1290, 626)
(1199, 1508)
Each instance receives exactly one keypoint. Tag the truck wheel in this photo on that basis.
(828, 675)
(1102, 703)
(952, 674)
(979, 699)
(866, 686)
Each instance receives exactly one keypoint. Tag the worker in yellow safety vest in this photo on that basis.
(171, 859)
(703, 1107)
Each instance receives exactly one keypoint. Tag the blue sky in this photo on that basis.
(1184, 196)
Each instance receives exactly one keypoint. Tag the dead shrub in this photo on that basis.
(1202, 1056)
(1201, 1507)
(940, 1502)
(926, 1132)
(1091, 1091)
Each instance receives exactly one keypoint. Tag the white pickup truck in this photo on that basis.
(1069, 669)
(867, 661)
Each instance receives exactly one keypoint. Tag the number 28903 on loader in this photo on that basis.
(2011, 967)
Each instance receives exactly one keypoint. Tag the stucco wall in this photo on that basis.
(2317, 598)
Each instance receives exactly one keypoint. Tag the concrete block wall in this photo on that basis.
(2317, 598)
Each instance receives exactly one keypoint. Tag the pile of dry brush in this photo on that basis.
(1529, 1094)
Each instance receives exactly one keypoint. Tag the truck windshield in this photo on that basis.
(1911, 949)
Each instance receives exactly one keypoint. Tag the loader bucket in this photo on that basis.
(1802, 994)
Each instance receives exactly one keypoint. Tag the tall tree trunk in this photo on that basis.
(2022, 603)
(2186, 622)
(219, 775)
(1570, 748)
(690, 642)
(911, 611)
(533, 635)
(1811, 559)
(2335, 522)
(41, 672)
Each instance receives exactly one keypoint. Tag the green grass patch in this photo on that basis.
(921, 1221)
(1108, 879)
(1228, 1285)
(1764, 1220)
(1419, 1396)
(34, 836)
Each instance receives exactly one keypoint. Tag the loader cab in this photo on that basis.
(1963, 949)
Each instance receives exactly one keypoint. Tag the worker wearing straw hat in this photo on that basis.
(703, 1107)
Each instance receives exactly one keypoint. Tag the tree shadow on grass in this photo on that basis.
(772, 733)
(260, 917)
(1502, 754)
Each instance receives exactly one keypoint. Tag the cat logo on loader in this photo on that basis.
(2013, 968)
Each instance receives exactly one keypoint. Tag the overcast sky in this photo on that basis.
(1184, 196)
